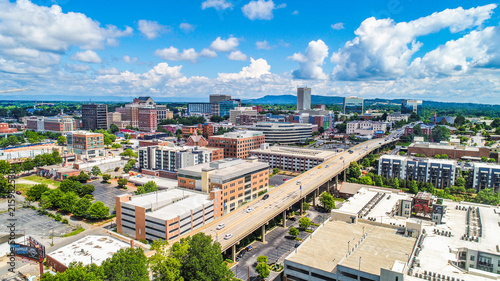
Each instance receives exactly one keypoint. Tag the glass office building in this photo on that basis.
(353, 105)
(409, 106)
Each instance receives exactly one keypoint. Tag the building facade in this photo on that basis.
(233, 114)
(199, 108)
(486, 176)
(86, 145)
(240, 180)
(411, 106)
(166, 214)
(237, 144)
(303, 98)
(441, 173)
(285, 133)
(94, 116)
(58, 124)
(148, 119)
(453, 151)
(394, 117)
(291, 158)
(365, 127)
(353, 105)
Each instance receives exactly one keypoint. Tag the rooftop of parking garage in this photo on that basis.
(296, 152)
(327, 248)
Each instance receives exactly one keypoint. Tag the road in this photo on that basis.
(241, 223)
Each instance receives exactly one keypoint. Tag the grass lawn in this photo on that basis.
(42, 180)
(23, 187)
(75, 232)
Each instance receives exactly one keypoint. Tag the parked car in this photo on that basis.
(284, 179)
(221, 226)
(227, 236)
(249, 248)
(249, 210)
(265, 197)
(18, 192)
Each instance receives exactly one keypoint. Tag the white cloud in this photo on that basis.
(337, 26)
(310, 64)
(77, 67)
(383, 48)
(190, 54)
(296, 12)
(237, 55)
(187, 27)
(259, 10)
(87, 56)
(216, 4)
(49, 29)
(107, 71)
(151, 29)
(128, 59)
(256, 69)
(221, 45)
(262, 45)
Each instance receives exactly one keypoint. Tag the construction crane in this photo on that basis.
(14, 90)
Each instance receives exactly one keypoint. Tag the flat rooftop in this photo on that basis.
(240, 134)
(229, 168)
(298, 152)
(99, 247)
(442, 146)
(382, 248)
(437, 250)
(162, 183)
(169, 204)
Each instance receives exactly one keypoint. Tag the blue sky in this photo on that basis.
(435, 50)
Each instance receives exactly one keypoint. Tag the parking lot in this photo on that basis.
(279, 245)
(107, 193)
(278, 179)
(33, 223)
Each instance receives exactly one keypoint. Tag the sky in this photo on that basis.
(185, 50)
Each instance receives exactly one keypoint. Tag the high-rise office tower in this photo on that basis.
(303, 98)
(353, 105)
(409, 106)
(94, 116)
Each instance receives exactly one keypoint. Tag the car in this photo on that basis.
(249, 210)
(265, 197)
(249, 248)
(341, 157)
(221, 226)
(299, 182)
(228, 236)
(350, 151)
(18, 192)
(284, 179)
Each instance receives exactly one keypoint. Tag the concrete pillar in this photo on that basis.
(233, 252)
(263, 233)
(301, 207)
(315, 194)
(337, 182)
(284, 219)
(345, 174)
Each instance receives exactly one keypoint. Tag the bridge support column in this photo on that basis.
(233, 253)
(336, 182)
(315, 194)
(263, 233)
(301, 206)
(345, 175)
(284, 219)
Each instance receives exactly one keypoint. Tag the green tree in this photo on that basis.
(460, 182)
(487, 196)
(327, 200)
(61, 140)
(76, 271)
(413, 187)
(262, 267)
(378, 181)
(68, 185)
(127, 167)
(293, 231)
(122, 183)
(4, 167)
(96, 171)
(28, 165)
(127, 264)
(114, 129)
(140, 190)
(35, 192)
(166, 262)
(81, 207)
(365, 163)
(106, 178)
(203, 260)
(459, 121)
(417, 130)
(395, 183)
(150, 186)
(305, 222)
(87, 189)
(129, 153)
(305, 206)
(12, 140)
(366, 180)
(68, 202)
(440, 133)
(98, 211)
(83, 177)
(353, 171)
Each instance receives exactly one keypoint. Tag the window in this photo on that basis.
(472, 258)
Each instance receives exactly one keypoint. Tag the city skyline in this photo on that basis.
(447, 51)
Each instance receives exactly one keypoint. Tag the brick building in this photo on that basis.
(453, 151)
(148, 119)
(237, 144)
(86, 145)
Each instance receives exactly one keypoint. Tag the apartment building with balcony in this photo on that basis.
(485, 176)
(237, 144)
(86, 145)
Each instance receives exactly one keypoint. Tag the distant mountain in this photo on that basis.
(291, 99)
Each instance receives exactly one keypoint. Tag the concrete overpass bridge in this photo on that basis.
(241, 223)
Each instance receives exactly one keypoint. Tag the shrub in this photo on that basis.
(65, 221)
(229, 260)
(58, 217)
